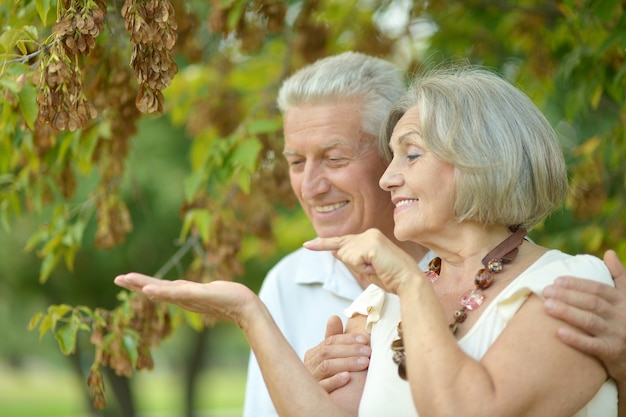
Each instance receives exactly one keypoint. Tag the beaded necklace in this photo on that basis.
(493, 263)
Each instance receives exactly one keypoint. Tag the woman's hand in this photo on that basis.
(372, 255)
(219, 299)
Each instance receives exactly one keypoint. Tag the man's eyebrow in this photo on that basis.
(324, 147)
(333, 144)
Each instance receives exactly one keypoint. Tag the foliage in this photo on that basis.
(570, 57)
(76, 76)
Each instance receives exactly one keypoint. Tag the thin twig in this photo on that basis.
(174, 261)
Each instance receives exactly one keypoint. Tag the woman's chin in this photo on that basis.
(403, 235)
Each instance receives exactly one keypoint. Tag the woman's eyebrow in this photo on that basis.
(408, 135)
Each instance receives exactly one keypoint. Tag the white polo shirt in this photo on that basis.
(301, 292)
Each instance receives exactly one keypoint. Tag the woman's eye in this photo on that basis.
(413, 156)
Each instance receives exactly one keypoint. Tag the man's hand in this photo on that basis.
(337, 355)
(598, 310)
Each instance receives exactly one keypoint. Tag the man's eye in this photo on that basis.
(294, 162)
(337, 161)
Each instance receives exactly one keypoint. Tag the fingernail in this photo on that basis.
(549, 304)
(561, 282)
(363, 361)
(548, 291)
(360, 339)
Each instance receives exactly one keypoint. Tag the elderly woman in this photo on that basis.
(475, 165)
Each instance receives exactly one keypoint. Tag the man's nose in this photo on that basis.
(314, 182)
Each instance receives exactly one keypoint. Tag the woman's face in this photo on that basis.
(422, 187)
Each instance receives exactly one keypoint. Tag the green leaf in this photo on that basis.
(66, 337)
(4, 219)
(201, 218)
(85, 146)
(244, 180)
(187, 223)
(65, 143)
(28, 104)
(36, 238)
(57, 312)
(43, 7)
(52, 244)
(264, 126)
(46, 324)
(76, 232)
(192, 183)
(47, 265)
(34, 321)
(10, 85)
(129, 343)
(246, 153)
(235, 14)
(69, 256)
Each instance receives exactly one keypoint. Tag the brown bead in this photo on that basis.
(397, 345)
(435, 265)
(402, 371)
(460, 315)
(495, 265)
(483, 279)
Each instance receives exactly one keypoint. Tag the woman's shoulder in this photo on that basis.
(582, 265)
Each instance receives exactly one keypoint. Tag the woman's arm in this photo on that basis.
(293, 390)
(600, 311)
(526, 372)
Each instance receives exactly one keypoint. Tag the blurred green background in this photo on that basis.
(37, 380)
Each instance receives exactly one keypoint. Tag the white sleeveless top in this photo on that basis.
(385, 394)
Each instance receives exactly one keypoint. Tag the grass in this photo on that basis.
(58, 393)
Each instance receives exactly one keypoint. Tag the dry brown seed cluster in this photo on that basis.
(81, 24)
(154, 323)
(152, 29)
(62, 102)
(95, 381)
(113, 219)
(151, 321)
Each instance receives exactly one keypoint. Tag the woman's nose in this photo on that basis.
(391, 178)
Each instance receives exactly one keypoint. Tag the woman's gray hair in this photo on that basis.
(349, 75)
(509, 166)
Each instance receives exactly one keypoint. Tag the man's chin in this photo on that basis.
(331, 231)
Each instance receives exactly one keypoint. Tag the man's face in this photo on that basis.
(334, 169)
